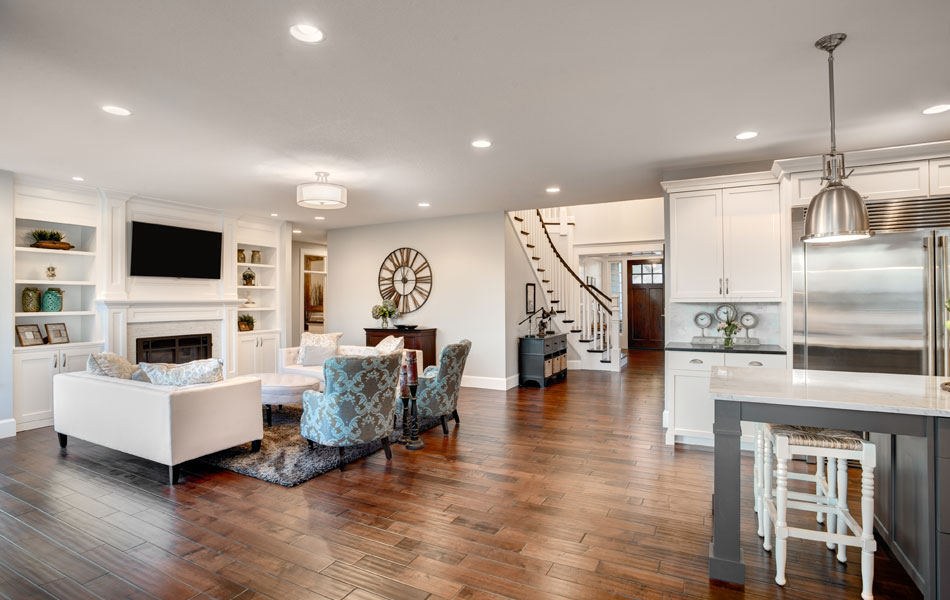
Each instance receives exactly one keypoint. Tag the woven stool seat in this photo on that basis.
(816, 437)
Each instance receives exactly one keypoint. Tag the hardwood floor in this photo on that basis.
(563, 493)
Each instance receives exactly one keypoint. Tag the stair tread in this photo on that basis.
(535, 258)
(567, 320)
(576, 331)
(519, 219)
(541, 270)
(560, 312)
(605, 360)
(586, 341)
(595, 350)
(530, 245)
(525, 233)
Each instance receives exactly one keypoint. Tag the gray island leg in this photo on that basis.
(725, 556)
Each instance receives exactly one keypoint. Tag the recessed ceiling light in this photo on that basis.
(319, 218)
(936, 110)
(424, 204)
(297, 231)
(117, 110)
(553, 189)
(307, 33)
(481, 144)
(273, 214)
(78, 178)
(747, 135)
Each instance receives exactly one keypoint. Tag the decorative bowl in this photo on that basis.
(405, 327)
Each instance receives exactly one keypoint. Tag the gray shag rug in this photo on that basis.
(285, 457)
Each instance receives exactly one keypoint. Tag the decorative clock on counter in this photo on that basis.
(726, 312)
(749, 321)
(405, 277)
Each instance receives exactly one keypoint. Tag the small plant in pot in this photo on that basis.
(50, 239)
(245, 323)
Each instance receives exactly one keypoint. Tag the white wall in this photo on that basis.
(7, 426)
(630, 221)
(467, 255)
(296, 298)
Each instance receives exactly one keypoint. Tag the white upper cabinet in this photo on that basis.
(940, 177)
(874, 182)
(751, 243)
(696, 245)
(726, 244)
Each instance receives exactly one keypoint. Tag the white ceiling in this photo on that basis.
(599, 97)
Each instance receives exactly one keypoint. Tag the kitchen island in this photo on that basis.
(910, 405)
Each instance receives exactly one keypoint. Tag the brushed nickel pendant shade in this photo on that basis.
(837, 213)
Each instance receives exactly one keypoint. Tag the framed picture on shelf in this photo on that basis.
(242, 326)
(29, 335)
(57, 334)
(530, 298)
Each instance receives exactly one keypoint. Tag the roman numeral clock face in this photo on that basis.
(405, 277)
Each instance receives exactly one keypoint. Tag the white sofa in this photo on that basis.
(166, 424)
(288, 360)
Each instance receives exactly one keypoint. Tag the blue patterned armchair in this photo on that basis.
(357, 405)
(438, 391)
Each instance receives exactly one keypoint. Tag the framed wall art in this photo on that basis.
(530, 298)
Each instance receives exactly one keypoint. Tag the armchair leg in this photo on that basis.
(455, 415)
(445, 428)
(269, 417)
(386, 448)
(310, 444)
(256, 446)
(62, 439)
(341, 458)
(174, 471)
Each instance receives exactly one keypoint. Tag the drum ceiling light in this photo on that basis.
(321, 193)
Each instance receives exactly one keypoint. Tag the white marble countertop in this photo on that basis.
(872, 392)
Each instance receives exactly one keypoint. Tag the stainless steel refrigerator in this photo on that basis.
(877, 305)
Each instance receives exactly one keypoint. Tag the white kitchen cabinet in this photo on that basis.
(688, 416)
(696, 245)
(751, 243)
(257, 352)
(940, 177)
(726, 244)
(874, 182)
(33, 371)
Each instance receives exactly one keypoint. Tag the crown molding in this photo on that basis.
(859, 158)
(719, 181)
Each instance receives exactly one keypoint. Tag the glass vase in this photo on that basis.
(384, 323)
(728, 342)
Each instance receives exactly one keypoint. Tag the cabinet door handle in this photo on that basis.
(695, 361)
(56, 361)
(754, 363)
(65, 358)
(727, 286)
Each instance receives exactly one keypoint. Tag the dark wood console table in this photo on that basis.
(542, 361)
(414, 339)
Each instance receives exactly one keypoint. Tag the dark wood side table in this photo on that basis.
(542, 361)
(414, 339)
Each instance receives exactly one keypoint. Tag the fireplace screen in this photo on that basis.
(173, 349)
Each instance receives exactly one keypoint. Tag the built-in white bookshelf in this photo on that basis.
(75, 274)
(263, 294)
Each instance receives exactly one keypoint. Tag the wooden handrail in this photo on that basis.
(601, 292)
(568, 267)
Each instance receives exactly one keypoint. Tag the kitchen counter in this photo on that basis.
(908, 413)
(760, 349)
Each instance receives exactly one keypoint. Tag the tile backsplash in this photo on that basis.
(680, 326)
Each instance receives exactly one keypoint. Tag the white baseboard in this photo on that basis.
(487, 383)
(666, 419)
(573, 364)
(511, 382)
(7, 428)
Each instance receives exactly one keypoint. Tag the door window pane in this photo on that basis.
(647, 268)
(635, 279)
(658, 268)
(634, 269)
(657, 278)
(648, 279)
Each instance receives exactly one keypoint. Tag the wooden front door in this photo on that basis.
(645, 303)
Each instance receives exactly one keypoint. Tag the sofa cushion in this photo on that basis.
(390, 344)
(196, 371)
(317, 347)
(107, 364)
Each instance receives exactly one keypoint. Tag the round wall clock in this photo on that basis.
(405, 277)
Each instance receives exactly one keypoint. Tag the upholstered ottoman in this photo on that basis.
(280, 389)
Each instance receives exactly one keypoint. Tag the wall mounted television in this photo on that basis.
(165, 251)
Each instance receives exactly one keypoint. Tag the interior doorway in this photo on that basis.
(645, 283)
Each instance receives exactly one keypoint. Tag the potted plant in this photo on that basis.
(50, 239)
(385, 312)
(245, 323)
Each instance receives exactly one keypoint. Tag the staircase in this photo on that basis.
(586, 314)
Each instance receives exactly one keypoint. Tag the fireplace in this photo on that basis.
(173, 348)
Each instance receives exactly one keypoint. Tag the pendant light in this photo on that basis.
(836, 213)
(321, 193)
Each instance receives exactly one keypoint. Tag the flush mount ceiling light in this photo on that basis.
(747, 135)
(306, 33)
(78, 178)
(424, 204)
(481, 144)
(937, 109)
(321, 193)
(553, 189)
(117, 110)
(319, 218)
(273, 214)
(297, 231)
(836, 213)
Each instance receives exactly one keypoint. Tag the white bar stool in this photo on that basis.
(837, 447)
